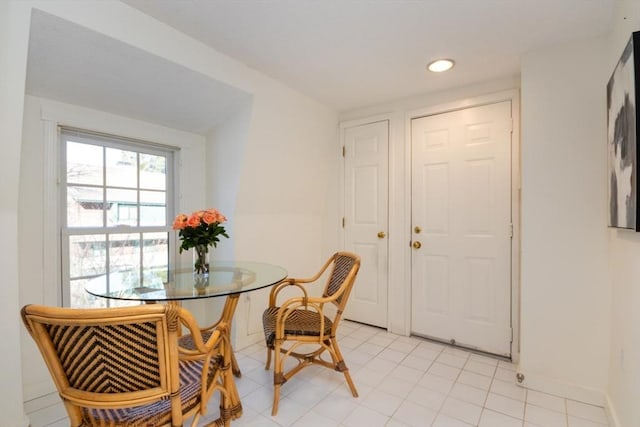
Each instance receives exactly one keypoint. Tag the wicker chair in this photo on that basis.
(123, 366)
(305, 322)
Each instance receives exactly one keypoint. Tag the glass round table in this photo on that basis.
(225, 279)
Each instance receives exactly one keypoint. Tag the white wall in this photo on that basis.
(565, 290)
(280, 212)
(226, 146)
(624, 363)
(13, 51)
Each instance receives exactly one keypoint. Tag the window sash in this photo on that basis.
(119, 232)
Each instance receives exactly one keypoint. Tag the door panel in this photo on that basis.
(461, 202)
(435, 205)
(366, 215)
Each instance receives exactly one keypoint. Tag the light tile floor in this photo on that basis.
(402, 381)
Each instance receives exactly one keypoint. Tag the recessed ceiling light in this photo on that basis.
(440, 65)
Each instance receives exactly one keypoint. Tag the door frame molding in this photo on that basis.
(508, 95)
(399, 257)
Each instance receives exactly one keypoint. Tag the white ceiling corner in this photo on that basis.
(344, 53)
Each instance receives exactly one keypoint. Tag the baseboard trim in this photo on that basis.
(39, 389)
(562, 389)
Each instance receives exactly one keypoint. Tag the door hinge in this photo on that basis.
(511, 230)
(344, 151)
(511, 335)
(343, 222)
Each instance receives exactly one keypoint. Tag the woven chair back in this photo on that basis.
(343, 275)
(109, 358)
(118, 356)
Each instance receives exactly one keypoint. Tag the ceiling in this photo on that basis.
(354, 53)
(345, 53)
(73, 64)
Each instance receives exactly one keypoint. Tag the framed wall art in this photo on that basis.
(622, 138)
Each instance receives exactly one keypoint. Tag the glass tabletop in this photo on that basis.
(225, 278)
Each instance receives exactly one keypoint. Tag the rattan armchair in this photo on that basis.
(304, 327)
(124, 367)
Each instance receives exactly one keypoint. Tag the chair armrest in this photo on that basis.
(273, 295)
(201, 348)
(297, 302)
(204, 329)
(298, 282)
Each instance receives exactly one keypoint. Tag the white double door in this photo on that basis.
(461, 227)
(461, 221)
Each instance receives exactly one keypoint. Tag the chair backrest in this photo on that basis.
(342, 277)
(109, 358)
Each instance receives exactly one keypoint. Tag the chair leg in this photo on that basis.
(352, 386)
(276, 399)
(225, 405)
(341, 366)
(219, 422)
(268, 358)
(234, 365)
(278, 377)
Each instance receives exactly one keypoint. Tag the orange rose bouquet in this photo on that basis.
(200, 230)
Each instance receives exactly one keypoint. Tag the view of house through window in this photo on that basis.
(117, 199)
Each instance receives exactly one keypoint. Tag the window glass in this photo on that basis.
(152, 172)
(85, 206)
(122, 168)
(84, 164)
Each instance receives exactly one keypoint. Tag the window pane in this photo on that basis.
(122, 168)
(87, 255)
(84, 163)
(124, 252)
(153, 208)
(155, 252)
(123, 207)
(124, 279)
(153, 172)
(83, 299)
(84, 206)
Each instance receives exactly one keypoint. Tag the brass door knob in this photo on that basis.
(417, 245)
(417, 229)
(381, 234)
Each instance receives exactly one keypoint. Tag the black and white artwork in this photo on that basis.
(622, 122)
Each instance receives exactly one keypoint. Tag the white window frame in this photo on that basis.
(54, 291)
(117, 142)
(190, 148)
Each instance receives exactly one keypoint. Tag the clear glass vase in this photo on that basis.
(201, 260)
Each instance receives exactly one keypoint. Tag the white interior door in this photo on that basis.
(366, 149)
(461, 227)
